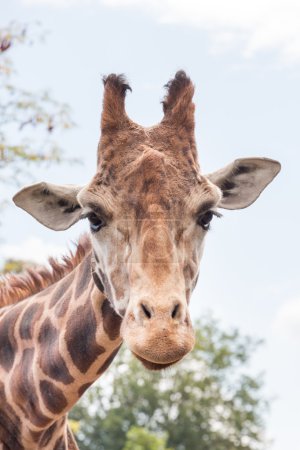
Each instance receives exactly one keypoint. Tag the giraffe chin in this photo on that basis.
(154, 366)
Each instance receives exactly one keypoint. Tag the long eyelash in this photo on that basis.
(217, 214)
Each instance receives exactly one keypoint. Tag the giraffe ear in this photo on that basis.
(242, 181)
(55, 206)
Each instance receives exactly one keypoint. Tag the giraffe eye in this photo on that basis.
(205, 219)
(95, 222)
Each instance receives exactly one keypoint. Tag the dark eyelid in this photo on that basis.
(206, 206)
(99, 211)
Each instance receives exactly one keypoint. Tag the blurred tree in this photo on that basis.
(22, 111)
(139, 438)
(15, 266)
(206, 402)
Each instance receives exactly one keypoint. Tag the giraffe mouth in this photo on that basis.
(154, 366)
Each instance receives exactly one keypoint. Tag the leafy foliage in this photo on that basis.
(206, 402)
(22, 112)
(15, 266)
(139, 438)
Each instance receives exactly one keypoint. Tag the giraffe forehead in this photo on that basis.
(151, 152)
(148, 177)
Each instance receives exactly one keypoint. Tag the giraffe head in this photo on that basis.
(149, 208)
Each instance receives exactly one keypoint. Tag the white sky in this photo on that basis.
(254, 26)
(244, 57)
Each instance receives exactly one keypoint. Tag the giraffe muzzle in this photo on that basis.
(158, 336)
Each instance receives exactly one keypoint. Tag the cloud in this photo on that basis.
(250, 26)
(287, 321)
(59, 3)
(32, 249)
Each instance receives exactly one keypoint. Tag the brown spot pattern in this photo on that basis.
(60, 291)
(61, 307)
(83, 388)
(47, 435)
(51, 361)
(81, 337)
(53, 397)
(108, 361)
(10, 425)
(85, 276)
(60, 444)
(98, 282)
(30, 317)
(8, 343)
(71, 441)
(23, 390)
(111, 320)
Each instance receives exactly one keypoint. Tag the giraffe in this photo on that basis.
(149, 209)
(54, 344)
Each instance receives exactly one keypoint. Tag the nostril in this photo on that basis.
(175, 311)
(146, 311)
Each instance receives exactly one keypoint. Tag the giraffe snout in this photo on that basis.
(146, 310)
(158, 333)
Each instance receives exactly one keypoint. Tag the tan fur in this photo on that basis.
(114, 115)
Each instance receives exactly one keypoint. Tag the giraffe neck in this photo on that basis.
(53, 346)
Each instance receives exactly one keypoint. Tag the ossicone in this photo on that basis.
(114, 115)
(177, 104)
(118, 83)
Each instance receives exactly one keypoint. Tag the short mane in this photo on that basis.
(14, 288)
